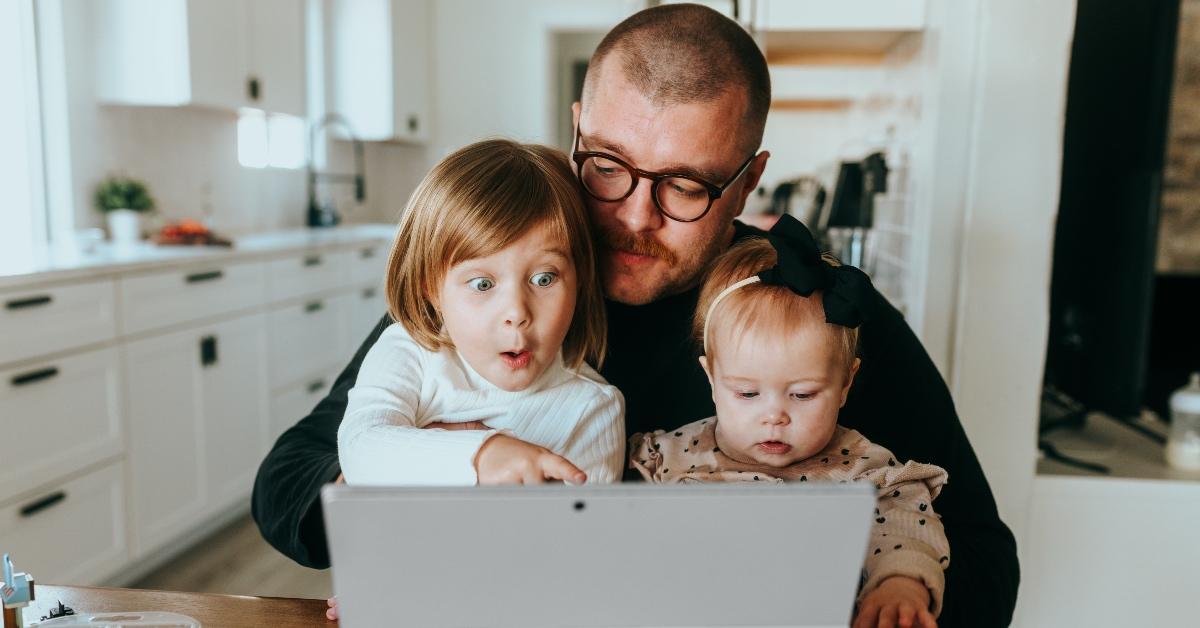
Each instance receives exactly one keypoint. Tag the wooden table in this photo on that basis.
(233, 611)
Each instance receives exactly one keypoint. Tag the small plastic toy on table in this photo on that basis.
(16, 592)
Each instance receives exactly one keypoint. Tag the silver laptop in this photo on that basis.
(598, 556)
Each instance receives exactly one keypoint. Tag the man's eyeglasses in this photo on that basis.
(679, 197)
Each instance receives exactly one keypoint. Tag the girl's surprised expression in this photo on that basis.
(777, 397)
(508, 313)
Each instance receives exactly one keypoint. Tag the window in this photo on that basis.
(272, 140)
(22, 216)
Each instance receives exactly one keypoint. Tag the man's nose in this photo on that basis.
(638, 212)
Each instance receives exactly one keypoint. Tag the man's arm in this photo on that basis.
(287, 492)
(900, 401)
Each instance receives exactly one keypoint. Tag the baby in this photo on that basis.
(778, 324)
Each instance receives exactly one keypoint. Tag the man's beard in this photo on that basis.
(682, 271)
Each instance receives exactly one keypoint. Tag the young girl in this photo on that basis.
(778, 324)
(493, 287)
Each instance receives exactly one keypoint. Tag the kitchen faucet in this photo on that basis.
(319, 216)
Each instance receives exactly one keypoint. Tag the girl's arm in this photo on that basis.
(597, 444)
(907, 538)
(379, 441)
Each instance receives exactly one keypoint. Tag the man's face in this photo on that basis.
(644, 255)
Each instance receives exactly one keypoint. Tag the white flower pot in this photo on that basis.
(124, 227)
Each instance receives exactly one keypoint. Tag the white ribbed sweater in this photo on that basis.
(401, 387)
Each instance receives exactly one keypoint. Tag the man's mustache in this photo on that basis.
(636, 244)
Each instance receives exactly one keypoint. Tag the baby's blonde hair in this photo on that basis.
(758, 304)
(474, 203)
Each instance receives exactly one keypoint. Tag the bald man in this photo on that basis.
(681, 90)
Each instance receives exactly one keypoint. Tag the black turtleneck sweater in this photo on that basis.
(898, 400)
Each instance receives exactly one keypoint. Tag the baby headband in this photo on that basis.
(800, 268)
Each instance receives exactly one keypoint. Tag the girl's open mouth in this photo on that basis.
(516, 359)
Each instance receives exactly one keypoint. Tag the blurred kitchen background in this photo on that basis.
(1020, 178)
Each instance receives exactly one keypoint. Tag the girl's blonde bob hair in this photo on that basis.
(474, 203)
(776, 307)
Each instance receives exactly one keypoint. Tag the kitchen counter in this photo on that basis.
(54, 263)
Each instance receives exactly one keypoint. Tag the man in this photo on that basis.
(681, 89)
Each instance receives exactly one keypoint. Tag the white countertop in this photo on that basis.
(67, 261)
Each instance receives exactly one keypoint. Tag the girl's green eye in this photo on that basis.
(481, 284)
(543, 280)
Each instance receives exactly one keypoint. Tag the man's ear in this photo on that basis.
(576, 109)
(850, 380)
(751, 178)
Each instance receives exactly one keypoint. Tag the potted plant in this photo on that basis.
(122, 200)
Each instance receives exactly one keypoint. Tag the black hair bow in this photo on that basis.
(801, 269)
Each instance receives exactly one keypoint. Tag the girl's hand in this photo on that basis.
(331, 613)
(506, 460)
(898, 602)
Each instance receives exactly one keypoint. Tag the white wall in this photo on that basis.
(1013, 163)
(492, 71)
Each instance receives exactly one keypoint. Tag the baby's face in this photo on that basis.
(777, 398)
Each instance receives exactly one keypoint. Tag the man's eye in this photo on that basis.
(543, 280)
(746, 394)
(481, 284)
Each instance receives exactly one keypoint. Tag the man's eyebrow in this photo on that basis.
(711, 176)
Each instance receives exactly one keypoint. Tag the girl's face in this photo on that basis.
(508, 313)
(777, 398)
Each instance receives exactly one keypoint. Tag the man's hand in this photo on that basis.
(506, 460)
(898, 602)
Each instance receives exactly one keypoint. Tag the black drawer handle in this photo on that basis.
(315, 306)
(316, 386)
(367, 253)
(312, 260)
(369, 293)
(18, 304)
(34, 376)
(209, 276)
(34, 507)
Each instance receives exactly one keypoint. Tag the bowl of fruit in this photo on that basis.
(189, 232)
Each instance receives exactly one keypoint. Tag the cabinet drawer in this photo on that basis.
(369, 263)
(308, 338)
(300, 275)
(41, 321)
(367, 306)
(58, 417)
(293, 403)
(163, 299)
(71, 532)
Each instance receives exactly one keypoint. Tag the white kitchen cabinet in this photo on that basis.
(379, 64)
(41, 320)
(164, 299)
(277, 54)
(297, 276)
(225, 54)
(72, 531)
(308, 339)
(368, 305)
(58, 416)
(197, 421)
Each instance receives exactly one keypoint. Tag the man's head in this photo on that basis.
(677, 89)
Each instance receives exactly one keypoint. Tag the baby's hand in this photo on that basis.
(332, 612)
(506, 460)
(897, 602)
